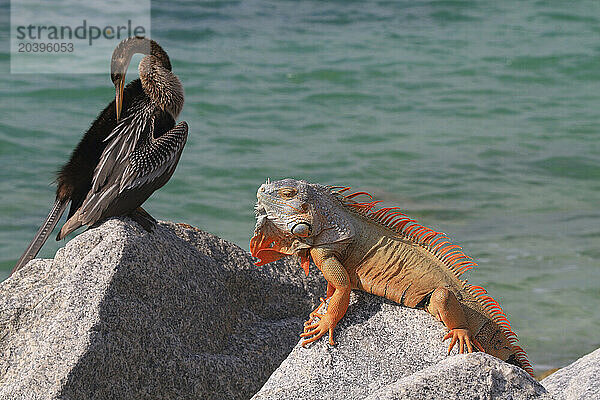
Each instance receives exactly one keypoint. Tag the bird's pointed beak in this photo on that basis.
(119, 96)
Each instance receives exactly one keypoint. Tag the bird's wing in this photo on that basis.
(149, 165)
(121, 142)
(106, 179)
(157, 159)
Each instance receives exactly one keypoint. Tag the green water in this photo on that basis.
(480, 119)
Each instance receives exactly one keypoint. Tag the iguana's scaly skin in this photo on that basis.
(381, 252)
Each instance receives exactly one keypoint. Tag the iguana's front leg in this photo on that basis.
(338, 282)
(446, 308)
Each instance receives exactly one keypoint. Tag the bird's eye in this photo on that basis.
(287, 192)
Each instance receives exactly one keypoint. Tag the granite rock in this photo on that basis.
(121, 313)
(470, 376)
(182, 314)
(577, 381)
(389, 352)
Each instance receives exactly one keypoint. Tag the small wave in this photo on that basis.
(569, 167)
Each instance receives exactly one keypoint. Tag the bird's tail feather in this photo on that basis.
(42, 234)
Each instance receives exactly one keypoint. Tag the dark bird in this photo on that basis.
(131, 149)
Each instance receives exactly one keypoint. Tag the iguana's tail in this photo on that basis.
(42, 234)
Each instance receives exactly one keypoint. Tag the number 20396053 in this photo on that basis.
(42, 47)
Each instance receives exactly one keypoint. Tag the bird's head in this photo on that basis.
(121, 58)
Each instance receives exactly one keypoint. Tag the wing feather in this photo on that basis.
(122, 140)
(157, 158)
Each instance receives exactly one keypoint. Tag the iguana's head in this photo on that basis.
(293, 216)
(287, 204)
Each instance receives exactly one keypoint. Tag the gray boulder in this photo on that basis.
(121, 313)
(178, 313)
(578, 381)
(471, 376)
(389, 352)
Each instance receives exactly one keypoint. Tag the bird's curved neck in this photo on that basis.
(161, 85)
(158, 82)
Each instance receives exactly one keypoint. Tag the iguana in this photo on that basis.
(380, 251)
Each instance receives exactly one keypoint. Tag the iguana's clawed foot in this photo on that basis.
(315, 313)
(464, 338)
(311, 318)
(318, 329)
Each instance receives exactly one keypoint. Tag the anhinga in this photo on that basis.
(130, 150)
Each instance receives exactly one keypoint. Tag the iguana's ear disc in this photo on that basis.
(301, 229)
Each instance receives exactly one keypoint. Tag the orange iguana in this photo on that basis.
(382, 252)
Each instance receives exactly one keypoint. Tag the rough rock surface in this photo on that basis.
(182, 314)
(390, 352)
(121, 313)
(471, 376)
(578, 381)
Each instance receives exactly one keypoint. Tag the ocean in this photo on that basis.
(480, 119)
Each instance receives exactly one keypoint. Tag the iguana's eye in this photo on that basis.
(287, 192)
